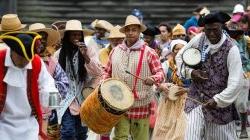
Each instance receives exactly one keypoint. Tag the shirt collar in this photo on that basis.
(137, 46)
(8, 61)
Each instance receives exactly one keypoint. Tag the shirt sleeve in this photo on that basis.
(229, 95)
(46, 85)
(61, 80)
(94, 68)
(182, 70)
(155, 66)
(108, 68)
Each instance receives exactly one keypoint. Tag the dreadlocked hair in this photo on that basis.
(67, 51)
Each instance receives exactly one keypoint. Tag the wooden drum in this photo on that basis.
(104, 107)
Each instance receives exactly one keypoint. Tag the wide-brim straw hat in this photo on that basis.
(102, 24)
(53, 35)
(133, 20)
(11, 22)
(76, 25)
(115, 33)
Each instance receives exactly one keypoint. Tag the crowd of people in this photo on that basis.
(174, 97)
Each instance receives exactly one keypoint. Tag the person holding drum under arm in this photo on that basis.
(215, 80)
(134, 57)
(81, 66)
(171, 119)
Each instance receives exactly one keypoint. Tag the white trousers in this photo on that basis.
(199, 129)
(242, 99)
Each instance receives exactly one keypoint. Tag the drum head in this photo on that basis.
(191, 56)
(117, 94)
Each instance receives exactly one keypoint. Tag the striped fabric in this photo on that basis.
(199, 129)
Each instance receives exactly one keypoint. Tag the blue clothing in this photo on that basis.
(191, 22)
(61, 80)
(72, 128)
(101, 42)
(242, 45)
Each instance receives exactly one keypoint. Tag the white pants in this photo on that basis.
(242, 99)
(199, 129)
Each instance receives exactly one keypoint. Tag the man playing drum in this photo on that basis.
(215, 82)
(135, 56)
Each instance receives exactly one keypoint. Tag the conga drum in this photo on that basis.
(105, 106)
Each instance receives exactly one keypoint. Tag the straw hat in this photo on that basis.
(102, 24)
(238, 8)
(179, 30)
(132, 20)
(115, 33)
(11, 22)
(53, 35)
(76, 25)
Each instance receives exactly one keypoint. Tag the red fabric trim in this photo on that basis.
(3, 86)
(33, 76)
(138, 71)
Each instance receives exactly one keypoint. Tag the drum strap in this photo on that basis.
(138, 70)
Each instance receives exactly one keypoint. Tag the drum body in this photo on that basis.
(192, 57)
(105, 106)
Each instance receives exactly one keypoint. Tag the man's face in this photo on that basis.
(132, 33)
(164, 32)
(19, 61)
(115, 41)
(181, 36)
(100, 32)
(148, 39)
(213, 32)
(75, 36)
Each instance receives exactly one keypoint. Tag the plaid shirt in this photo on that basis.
(155, 68)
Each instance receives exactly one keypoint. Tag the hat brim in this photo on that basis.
(142, 27)
(86, 32)
(219, 17)
(22, 26)
(53, 36)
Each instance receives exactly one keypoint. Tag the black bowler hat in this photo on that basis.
(219, 17)
(151, 31)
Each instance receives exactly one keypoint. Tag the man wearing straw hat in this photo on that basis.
(215, 82)
(83, 70)
(10, 22)
(102, 28)
(135, 57)
(24, 87)
(51, 37)
(115, 38)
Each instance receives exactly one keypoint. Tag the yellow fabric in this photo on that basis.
(104, 55)
(175, 78)
(171, 120)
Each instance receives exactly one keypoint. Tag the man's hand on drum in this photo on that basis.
(149, 81)
(199, 75)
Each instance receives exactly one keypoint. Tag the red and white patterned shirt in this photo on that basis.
(155, 67)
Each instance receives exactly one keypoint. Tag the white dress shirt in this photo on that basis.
(16, 122)
(234, 65)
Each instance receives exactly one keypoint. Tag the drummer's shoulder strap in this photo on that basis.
(138, 70)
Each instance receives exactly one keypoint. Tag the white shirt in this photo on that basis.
(234, 65)
(16, 122)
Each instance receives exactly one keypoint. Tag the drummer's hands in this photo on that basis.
(199, 75)
(149, 81)
(211, 104)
